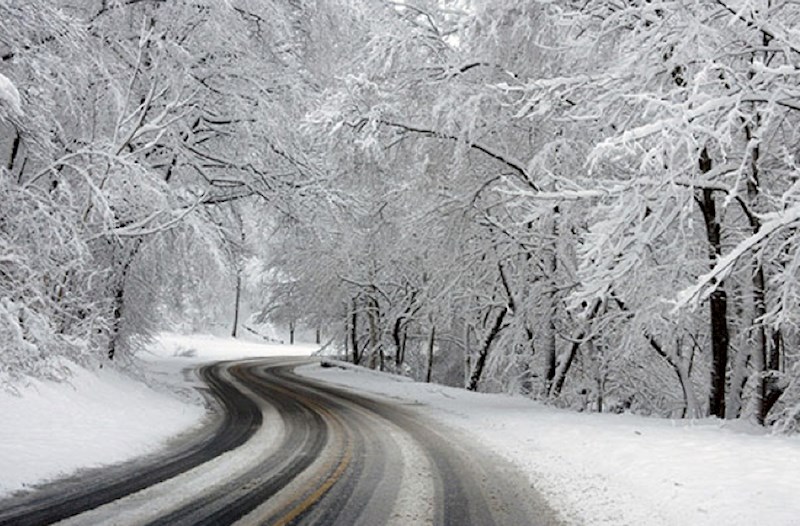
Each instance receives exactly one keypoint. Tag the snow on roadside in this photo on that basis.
(199, 348)
(103, 416)
(615, 469)
(99, 417)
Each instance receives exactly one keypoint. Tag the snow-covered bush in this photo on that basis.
(41, 255)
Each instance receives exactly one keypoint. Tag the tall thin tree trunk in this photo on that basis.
(761, 347)
(549, 352)
(431, 342)
(549, 338)
(116, 320)
(718, 301)
(375, 348)
(119, 299)
(595, 356)
(467, 353)
(14, 150)
(564, 366)
(776, 356)
(354, 333)
(682, 372)
(773, 389)
(693, 407)
(567, 360)
(346, 334)
(236, 305)
(399, 342)
(766, 351)
(483, 352)
(526, 383)
(761, 343)
(237, 263)
(404, 344)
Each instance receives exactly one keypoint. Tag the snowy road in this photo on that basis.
(290, 450)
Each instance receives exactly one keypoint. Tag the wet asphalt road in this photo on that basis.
(284, 449)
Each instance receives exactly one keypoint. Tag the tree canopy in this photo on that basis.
(594, 204)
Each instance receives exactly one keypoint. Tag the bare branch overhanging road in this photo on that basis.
(289, 450)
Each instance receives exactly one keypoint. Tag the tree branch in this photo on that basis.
(512, 163)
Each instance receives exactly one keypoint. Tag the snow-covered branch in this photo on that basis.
(9, 95)
(504, 158)
(708, 283)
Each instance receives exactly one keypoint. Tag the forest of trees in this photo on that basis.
(594, 204)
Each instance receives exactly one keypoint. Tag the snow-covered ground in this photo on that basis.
(98, 417)
(594, 469)
(616, 469)
(101, 416)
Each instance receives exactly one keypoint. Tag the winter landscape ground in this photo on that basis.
(594, 469)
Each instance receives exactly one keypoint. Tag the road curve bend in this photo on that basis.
(289, 450)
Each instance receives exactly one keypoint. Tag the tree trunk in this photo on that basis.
(760, 351)
(773, 389)
(14, 150)
(376, 358)
(777, 356)
(693, 408)
(683, 373)
(483, 352)
(549, 338)
(119, 299)
(467, 353)
(564, 366)
(235, 329)
(399, 342)
(116, 320)
(346, 333)
(718, 302)
(767, 348)
(549, 351)
(354, 333)
(526, 384)
(431, 342)
(404, 343)
(291, 333)
(719, 349)
(238, 255)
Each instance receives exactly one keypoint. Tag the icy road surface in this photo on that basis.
(289, 450)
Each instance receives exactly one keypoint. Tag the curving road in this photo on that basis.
(288, 450)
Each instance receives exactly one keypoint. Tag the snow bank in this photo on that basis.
(102, 416)
(616, 469)
(99, 417)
